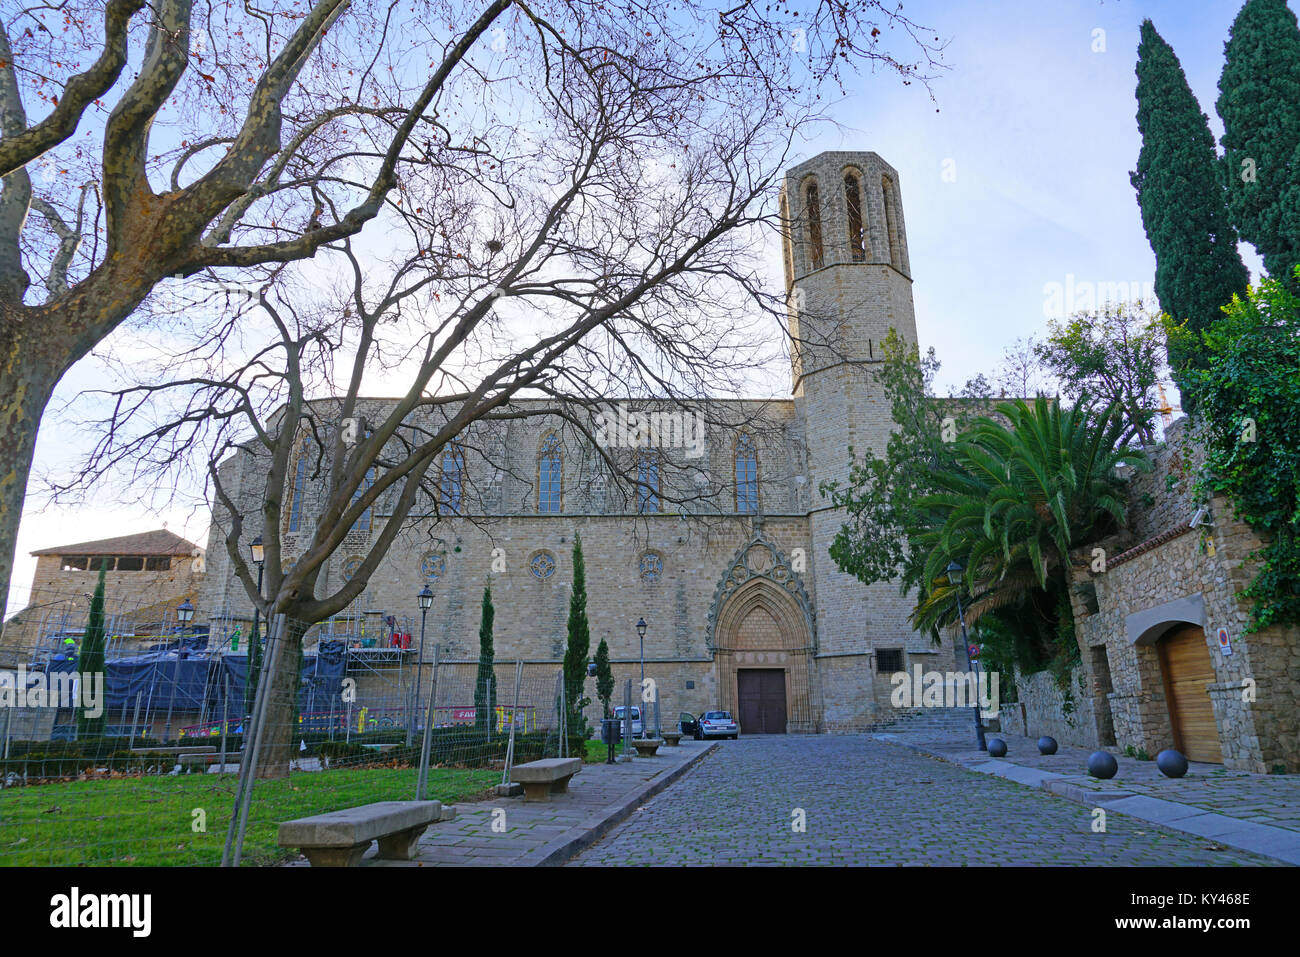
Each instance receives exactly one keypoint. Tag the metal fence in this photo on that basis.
(195, 758)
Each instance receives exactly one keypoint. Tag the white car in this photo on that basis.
(636, 720)
(718, 724)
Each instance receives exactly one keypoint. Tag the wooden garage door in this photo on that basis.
(1188, 669)
(761, 692)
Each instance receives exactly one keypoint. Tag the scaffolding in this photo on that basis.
(381, 651)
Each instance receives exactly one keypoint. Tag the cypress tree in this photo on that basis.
(604, 676)
(1259, 103)
(92, 658)
(485, 691)
(1183, 203)
(579, 644)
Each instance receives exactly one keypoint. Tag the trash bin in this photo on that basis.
(611, 731)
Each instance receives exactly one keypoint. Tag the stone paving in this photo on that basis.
(1272, 799)
(865, 801)
(515, 833)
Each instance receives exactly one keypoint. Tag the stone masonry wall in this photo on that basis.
(1256, 696)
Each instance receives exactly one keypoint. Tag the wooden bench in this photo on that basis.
(647, 747)
(672, 738)
(543, 778)
(341, 838)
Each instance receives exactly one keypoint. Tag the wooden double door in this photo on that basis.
(1185, 661)
(761, 693)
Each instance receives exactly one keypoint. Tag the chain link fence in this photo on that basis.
(179, 753)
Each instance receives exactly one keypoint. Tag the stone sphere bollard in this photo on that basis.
(1172, 764)
(997, 748)
(1046, 745)
(1102, 764)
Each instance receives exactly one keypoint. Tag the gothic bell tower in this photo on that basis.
(849, 281)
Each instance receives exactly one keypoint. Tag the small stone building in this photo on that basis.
(148, 575)
(1166, 660)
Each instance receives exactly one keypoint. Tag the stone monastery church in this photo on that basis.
(744, 608)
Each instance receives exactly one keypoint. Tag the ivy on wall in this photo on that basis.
(1249, 412)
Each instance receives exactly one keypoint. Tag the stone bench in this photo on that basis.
(340, 838)
(204, 759)
(543, 778)
(672, 738)
(647, 747)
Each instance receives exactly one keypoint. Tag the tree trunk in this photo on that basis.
(26, 384)
(279, 721)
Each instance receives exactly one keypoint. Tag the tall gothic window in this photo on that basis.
(299, 485)
(891, 222)
(363, 520)
(787, 232)
(453, 477)
(550, 472)
(853, 202)
(647, 476)
(813, 204)
(746, 476)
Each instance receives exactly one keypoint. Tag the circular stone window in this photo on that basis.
(542, 565)
(351, 567)
(433, 567)
(652, 567)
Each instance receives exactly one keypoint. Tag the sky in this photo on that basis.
(1015, 177)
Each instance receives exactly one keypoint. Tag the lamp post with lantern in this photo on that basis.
(425, 598)
(640, 631)
(185, 615)
(257, 552)
(954, 571)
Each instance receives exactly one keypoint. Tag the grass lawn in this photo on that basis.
(152, 820)
(597, 752)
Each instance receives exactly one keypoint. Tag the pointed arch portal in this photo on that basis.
(761, 632)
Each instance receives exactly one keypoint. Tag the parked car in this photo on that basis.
(636, 719)
(711, 724)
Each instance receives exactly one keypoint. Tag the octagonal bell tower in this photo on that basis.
(848, 279)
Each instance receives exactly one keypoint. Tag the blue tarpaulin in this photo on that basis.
(197, 681)
(322, 674)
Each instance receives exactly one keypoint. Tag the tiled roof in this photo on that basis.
(1166, 536)
(159, 542)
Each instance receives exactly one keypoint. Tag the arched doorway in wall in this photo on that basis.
(761, 635)
(1187, 669)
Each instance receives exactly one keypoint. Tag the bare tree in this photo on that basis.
(175, 138)
(1021, 374)
(590, 227)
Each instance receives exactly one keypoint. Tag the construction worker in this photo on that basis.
(70, 648)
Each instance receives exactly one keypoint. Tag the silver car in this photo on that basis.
(636, 719)
(718, 724)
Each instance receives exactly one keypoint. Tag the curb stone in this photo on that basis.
(569, 844)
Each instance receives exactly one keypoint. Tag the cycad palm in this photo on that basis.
(1024, 493)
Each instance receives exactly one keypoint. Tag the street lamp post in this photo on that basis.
(954, 578)
(640, 631)
(257, 551)
(184, 614)
(425, 599)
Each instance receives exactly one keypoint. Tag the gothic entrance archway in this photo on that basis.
(761, 635)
